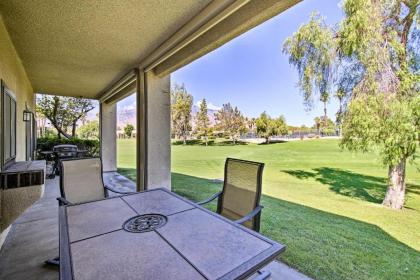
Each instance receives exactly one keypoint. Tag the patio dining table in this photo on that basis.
(157, 234)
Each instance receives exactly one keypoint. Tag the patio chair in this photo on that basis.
(81, 181)
(239, 199)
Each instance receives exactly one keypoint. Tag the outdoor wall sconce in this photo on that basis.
(26, 116)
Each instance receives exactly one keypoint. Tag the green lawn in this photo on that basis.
(323, 203)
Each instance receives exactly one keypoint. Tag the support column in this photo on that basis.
(159, 131)
(108, 126)
(154, 127)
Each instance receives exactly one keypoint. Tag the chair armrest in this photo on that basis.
(250, 215)
(63, 201)
(115, 191)
(213, 197)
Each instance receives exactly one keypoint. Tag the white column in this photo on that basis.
(108, 116)
(158, 131)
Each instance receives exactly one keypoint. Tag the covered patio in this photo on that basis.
(109, 51)
(33, 239)
(106, 52)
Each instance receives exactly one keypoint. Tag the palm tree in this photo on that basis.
(324, 99)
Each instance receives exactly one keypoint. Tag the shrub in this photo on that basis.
(91, 145)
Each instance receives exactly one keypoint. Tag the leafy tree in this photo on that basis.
(327, 122)
(41, 122)
(63, 112)
(267, 126)
(231, 121)
(77, 108)
(340, 95)
(128, 130)
(324, 124)
(317, 125)
(251, 125)
(52, 108)
(181, 105)
(203, 122)
(311, 51)
(376, 60)
(89, 130)
(329, 126)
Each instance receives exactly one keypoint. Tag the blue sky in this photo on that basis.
(251, 71)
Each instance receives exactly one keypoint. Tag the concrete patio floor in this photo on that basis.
(33, 238)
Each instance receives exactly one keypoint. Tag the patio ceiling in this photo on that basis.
(80, 48)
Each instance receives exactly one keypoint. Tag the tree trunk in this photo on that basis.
(267, 140)
(184, 139)
(73, 130)
(395, 194)
(59, 130)
(205, 139)
(325, 115)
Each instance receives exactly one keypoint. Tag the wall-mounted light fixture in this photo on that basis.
(26, 114)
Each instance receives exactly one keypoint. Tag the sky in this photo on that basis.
(252, 73)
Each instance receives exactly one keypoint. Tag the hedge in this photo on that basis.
(47, 144)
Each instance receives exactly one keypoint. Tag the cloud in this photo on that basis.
(210, 105)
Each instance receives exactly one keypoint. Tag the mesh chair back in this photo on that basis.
(241, 190)
(81, 180)
(65, 151)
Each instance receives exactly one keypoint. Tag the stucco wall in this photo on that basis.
(14, 75)
(159, 129)
(13, 202)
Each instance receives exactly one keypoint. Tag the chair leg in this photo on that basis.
(54, 262)
(263, 275)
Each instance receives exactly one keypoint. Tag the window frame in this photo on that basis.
(5, 91)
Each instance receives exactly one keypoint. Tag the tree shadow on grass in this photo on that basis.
(345, 182)
(320, 244)
(351, 184)
(211, 142)
(274, 141)
(412, 188)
